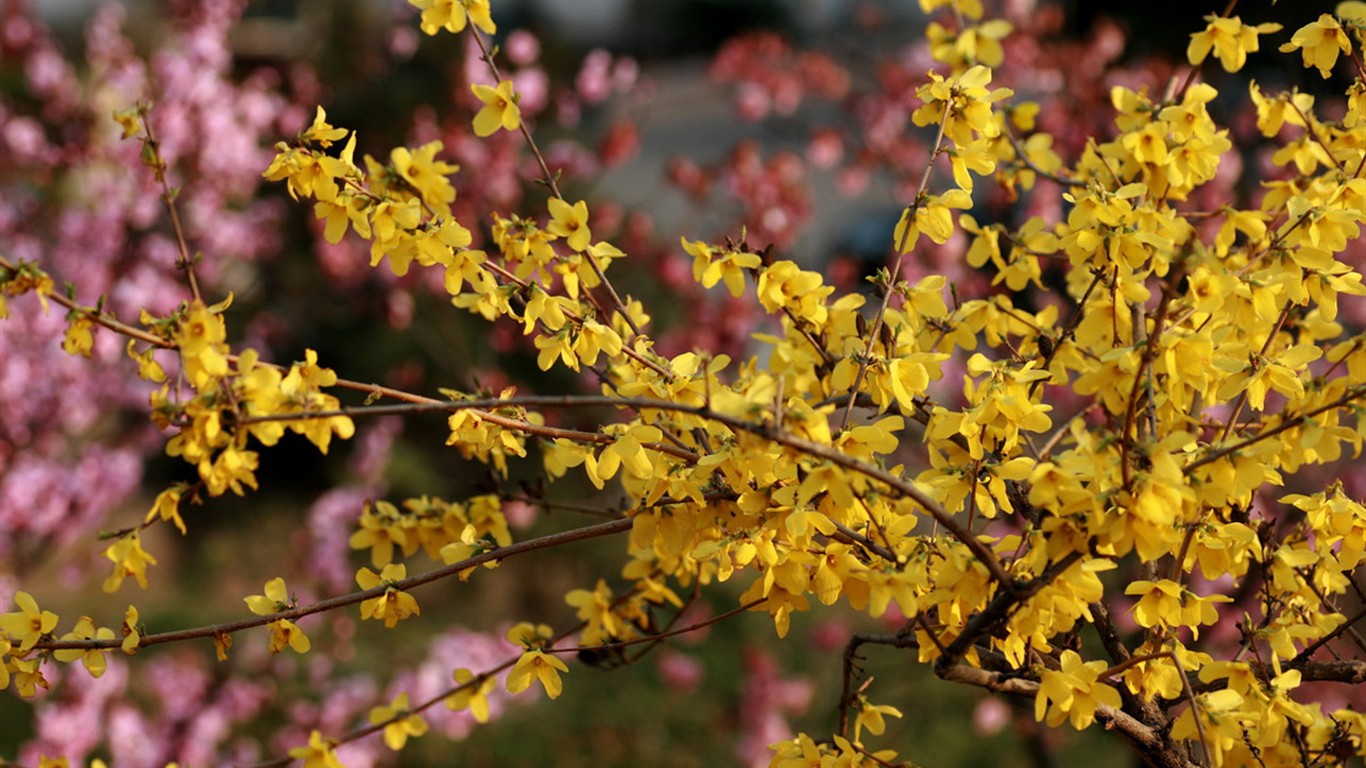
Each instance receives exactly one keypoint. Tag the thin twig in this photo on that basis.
(340, 601)
(552, 184)
(168, 198)
(875, 330)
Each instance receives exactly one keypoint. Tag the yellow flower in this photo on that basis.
(28, 624)
(712, 265)
(283, 632)
(426, 174)
(337, 214)
(1276, 111)
(500, 109)
(380, 533)
(6, 647)
(595, 608)
(230, 470)
(132, 637)
(784, 285)
(1166, 603)
(1319, 43)
(129, 559)
(221, 644)
(167, 507)
(537, 665)
(873, 717)
(92, 658)
(471, 695)
(318, 753)
(1224, 719)
(1282, 373)
(28, 277)
(976, 157)
(399, 722)
(452, 15)
(594, 338)
(320, 132)
(148, 366)
(389, 220)
(1148, 145)
(1231, 40)
(130, 120)
(967, 100)
(200, 337)
(80, 335)
(571, 223)
(980, 44)
(546, 309)
(930, 216)
(529, 635)
(1073, 693)
(28, 677)
(394, 605)
(626, 452)
(1160, 604)
(972, 9)
(307, 172)
(1250, 223)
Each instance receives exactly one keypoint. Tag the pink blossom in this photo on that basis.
(522, 47)
(766, 699)
(990, 716)
(679, 672)
(594, 83)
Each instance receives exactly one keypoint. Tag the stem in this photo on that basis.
(168, 196)
(552, 184)
(341, 601)
(751, 605)
(1243, 395)
(897, 483)
(876, 328)
(1126, 441)
(1355, 393)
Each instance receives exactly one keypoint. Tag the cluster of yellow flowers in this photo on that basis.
(760, 468)
(1193, 360)
(451, 531)
(21, 662)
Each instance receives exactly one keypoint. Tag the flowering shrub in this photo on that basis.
(1070, 448)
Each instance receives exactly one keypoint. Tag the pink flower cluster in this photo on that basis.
(77, 200)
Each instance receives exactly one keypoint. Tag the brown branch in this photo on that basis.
(1347, 671)
(168, 197)
(1119, 654)
(1126, 441)
(1000, 608)
(341, 601)
(1355, 393)
(570, 314)
(849, 536)
(480, 678)
(847, 694)
(749, 606)
(1024, 160)
(897, 483)
(99, 317)
(1257, 362)
(1069, 330)
(1152, 745)
(1302, 659)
